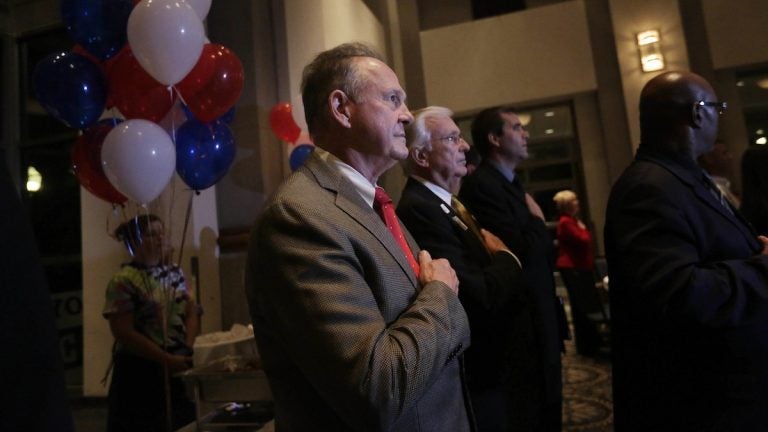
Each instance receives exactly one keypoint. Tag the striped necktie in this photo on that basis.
(468, 220)
(716, 192)
(465, 216)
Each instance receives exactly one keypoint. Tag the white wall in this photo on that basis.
(525, 56)
(737, 31)
(313, 26)
(101, 258)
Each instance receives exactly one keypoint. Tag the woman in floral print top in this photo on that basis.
(141, 298)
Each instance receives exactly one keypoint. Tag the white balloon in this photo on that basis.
(201, 7)
(139, 159)
(167, 38)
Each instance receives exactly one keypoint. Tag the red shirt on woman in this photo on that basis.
(574, 244)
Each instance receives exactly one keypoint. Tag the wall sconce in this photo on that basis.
(649, 45)
(34, 179)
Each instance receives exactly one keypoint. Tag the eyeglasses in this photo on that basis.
(720, 106)
(452, 139)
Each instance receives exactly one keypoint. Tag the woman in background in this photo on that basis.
(154, 321)
(573, 238)
(576, 265)
(754, 187)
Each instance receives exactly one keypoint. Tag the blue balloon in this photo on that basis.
(299, 155)
(204, 153)
(100, 26)
(187, 113)
(71, 88)
(229, 116)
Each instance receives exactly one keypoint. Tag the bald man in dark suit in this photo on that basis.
(689, 278)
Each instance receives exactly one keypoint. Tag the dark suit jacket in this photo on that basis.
(31, 371)
(502, 356)
(348, 338)
(500, 207)
(689, 304)
(490, 289)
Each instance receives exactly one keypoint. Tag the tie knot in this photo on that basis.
(458, 206)
(380, 197)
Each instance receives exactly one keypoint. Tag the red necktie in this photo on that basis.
(382, 203)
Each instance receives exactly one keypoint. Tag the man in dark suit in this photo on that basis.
(689, 278)
(354, 334)
(500, 362)
(494, 195)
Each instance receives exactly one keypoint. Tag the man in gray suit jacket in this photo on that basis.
(352, 335)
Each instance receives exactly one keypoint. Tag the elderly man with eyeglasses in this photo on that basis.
(689, 278)
(501, 362)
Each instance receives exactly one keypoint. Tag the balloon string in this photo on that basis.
(115, 214)
(172, 200)
(186, 225)
(170, 204)
(173, 116)
(180, 96)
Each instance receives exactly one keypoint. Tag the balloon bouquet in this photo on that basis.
(285, 128)
(168, 94)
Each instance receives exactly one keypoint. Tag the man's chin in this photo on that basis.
(399, 153)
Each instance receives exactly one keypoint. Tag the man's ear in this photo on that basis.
(340, 108)
(420, 157)
(494, 139)
(696, 117)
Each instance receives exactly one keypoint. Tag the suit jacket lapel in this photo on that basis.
(513, 190)
(706, 196)
(467, 236)
(350, 202)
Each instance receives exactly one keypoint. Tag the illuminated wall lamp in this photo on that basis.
(649, 46)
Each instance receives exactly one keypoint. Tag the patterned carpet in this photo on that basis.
(587, 398)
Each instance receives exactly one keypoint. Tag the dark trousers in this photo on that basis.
(520, 409)
(584, 302)
(136, 400)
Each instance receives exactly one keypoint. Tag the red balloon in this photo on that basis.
(86, 162)
(134, 92)
(282, 123)
(214, 84)
(109, 63)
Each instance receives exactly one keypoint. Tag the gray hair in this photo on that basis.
(417, 135)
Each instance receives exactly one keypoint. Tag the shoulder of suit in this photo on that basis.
(481, 179)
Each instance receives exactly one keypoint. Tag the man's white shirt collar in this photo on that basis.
(437, 190)
(361, 184)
